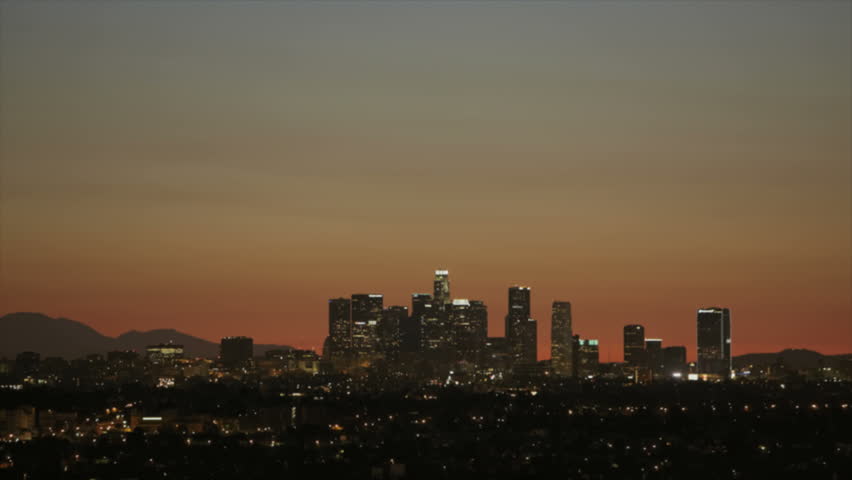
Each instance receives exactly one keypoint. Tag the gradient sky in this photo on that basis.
(224, 169)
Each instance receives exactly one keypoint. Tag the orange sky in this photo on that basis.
(223, 170)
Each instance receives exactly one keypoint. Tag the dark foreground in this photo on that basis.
(337, 428)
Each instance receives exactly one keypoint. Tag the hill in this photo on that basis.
(795, 359)
(62, 337)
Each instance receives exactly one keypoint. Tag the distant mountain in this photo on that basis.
(796, 359)
(61, 337)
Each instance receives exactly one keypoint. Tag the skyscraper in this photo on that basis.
(654, 354)
(411, 328)
(588, 357)
(441, 296)
(520, 327)
(389, 330)
(634, 345)
(561, 339)
(366, 316)
(339, 326)
(425, 310)
(469, 325)
(714, 340)
(236, 351)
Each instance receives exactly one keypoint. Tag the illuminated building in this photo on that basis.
(714, 340)
(339, 327)
(468, 321)
(634, 345)
(654, 354)
(441, 295)
(428, 317)
(520, 327)
(587, 357)
(236, 351)
(561, 339)
(164, 353)
(366, 316)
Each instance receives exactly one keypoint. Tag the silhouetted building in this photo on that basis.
(654, 354)
(714, 341)
(674, 361)
(236, 351)
(339, 328)
(561, 339)
(164, 353)
(27, 364)
(479, 322)
(389, 330)
(520, 327)
(411, 329)
(588, 357)
(366, 316)
(634, 345)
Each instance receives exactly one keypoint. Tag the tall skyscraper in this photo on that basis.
(561, 339)
(634, 345)
(411, 328)
(654, 354)
(366, 316)
(389, 330)
(469, 325)
(236, 351)
(339, 327)
(520, 327)
(714, 340)
(425, 310)
(441, 296)
(479, 321)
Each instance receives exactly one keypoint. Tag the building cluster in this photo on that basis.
(451, 334)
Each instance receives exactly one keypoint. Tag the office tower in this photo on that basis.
(468, 321)
(479, 322)
(366, 315)
(634, 345)
(442, 289)
(714, 340)
(339, 327)
(425, 310)
(587, 357)
(412, 328)
(236, 351)
(393, 318)
(164, 353)
(561, 339)
(654, 354)
(674, 361)
(520, 328)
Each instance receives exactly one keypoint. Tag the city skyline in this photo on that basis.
(226, 169)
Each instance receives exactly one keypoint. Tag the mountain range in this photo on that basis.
(63, 337)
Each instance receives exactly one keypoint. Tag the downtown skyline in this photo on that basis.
(230, 173)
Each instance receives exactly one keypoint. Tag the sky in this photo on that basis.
(225, 168)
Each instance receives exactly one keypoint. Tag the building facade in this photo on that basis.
(561, 339)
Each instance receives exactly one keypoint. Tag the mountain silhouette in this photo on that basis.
(793, 358)
(63, 337)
